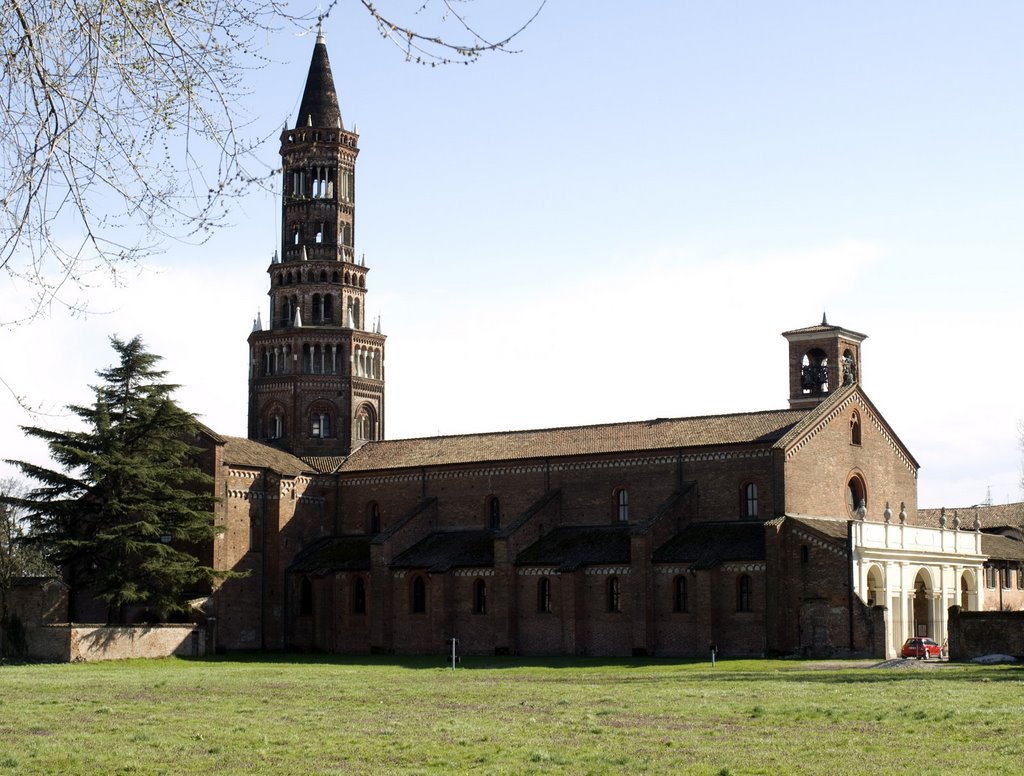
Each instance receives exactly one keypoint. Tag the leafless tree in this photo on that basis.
(122, 124)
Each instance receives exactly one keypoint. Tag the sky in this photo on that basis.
(618, 222)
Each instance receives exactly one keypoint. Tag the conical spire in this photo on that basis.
(319, 106)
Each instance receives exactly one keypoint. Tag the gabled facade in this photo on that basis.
(758, 532)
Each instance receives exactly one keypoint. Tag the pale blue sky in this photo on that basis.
(618, 222)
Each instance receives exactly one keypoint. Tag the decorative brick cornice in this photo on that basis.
(607, 571)
(817, 541)
(247, 495)
(841, 409)
(473, 572)
(448, 472)
(537, 571)
(751, 566)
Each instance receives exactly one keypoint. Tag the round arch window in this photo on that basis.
(855, 494)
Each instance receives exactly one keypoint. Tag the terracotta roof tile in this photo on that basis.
(570, 547)
(343, 553)
(1002, 547)
(660, 434)
(706, 545)
(833, 528)
(444, 550)
(246, 452)
(995, 516)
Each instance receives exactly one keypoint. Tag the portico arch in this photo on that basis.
(968, 591)
(876, 587)
(923, 615)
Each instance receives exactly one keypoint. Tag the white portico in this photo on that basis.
(917, 573)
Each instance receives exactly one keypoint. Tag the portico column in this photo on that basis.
(938, 616)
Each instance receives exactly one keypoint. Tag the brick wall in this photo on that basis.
(76, 643)
(973, 634)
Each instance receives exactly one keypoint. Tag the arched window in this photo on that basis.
(805, 554)
(479, 597)
(856, 494)
(373, 518)
(855, 428)
(321, 425)
(318, 309)
(814, 373)
(544, 595)
(419, 595)
(359, 596)
(622, 505)
(366, 424)
(679, 603)
(305, 597)
(614, 603)
(849, 367)
(276, 426)
(328, 311)
(493, 513)
(743, 594)
(750, 500)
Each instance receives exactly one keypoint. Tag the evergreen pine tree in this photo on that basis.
(128, 500)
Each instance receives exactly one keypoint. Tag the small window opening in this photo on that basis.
(679, 602)
(359, 597)
(544, 595)
(419, 595)
(614, 602)
(622, 505)
(743, 594)
(305, 597)
(479, 597)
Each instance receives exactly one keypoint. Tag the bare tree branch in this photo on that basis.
(122, 125)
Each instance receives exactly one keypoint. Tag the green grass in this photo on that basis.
(330, 715)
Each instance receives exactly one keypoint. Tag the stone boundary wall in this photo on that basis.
(80, 643)
(973, 634)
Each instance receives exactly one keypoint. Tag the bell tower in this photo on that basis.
(316, 373)
(822, 359)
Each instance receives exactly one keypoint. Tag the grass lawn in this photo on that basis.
(325, 715)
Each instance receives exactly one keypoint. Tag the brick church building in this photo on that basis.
(791, 530)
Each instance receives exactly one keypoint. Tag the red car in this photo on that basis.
(921, 648)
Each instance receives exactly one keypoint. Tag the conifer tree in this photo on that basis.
(127, 500)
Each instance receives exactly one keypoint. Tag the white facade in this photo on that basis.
(917, 573)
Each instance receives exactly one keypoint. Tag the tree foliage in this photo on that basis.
(122, 124)
(127, 499)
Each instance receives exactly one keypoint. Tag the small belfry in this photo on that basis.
(316, 374)
(822, 359)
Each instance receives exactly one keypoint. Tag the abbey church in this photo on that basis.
(778, 531)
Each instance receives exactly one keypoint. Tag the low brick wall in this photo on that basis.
(76, 643)
(973, 634)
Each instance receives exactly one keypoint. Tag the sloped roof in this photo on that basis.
(830, 527)
(246, 452)
(994, 516)
(324, 464)
(341, 553)
(319, 106)
(706, 545)
(825, 326)
(444, 550)
(569, 547)
(659, 434)
(1002, 547)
